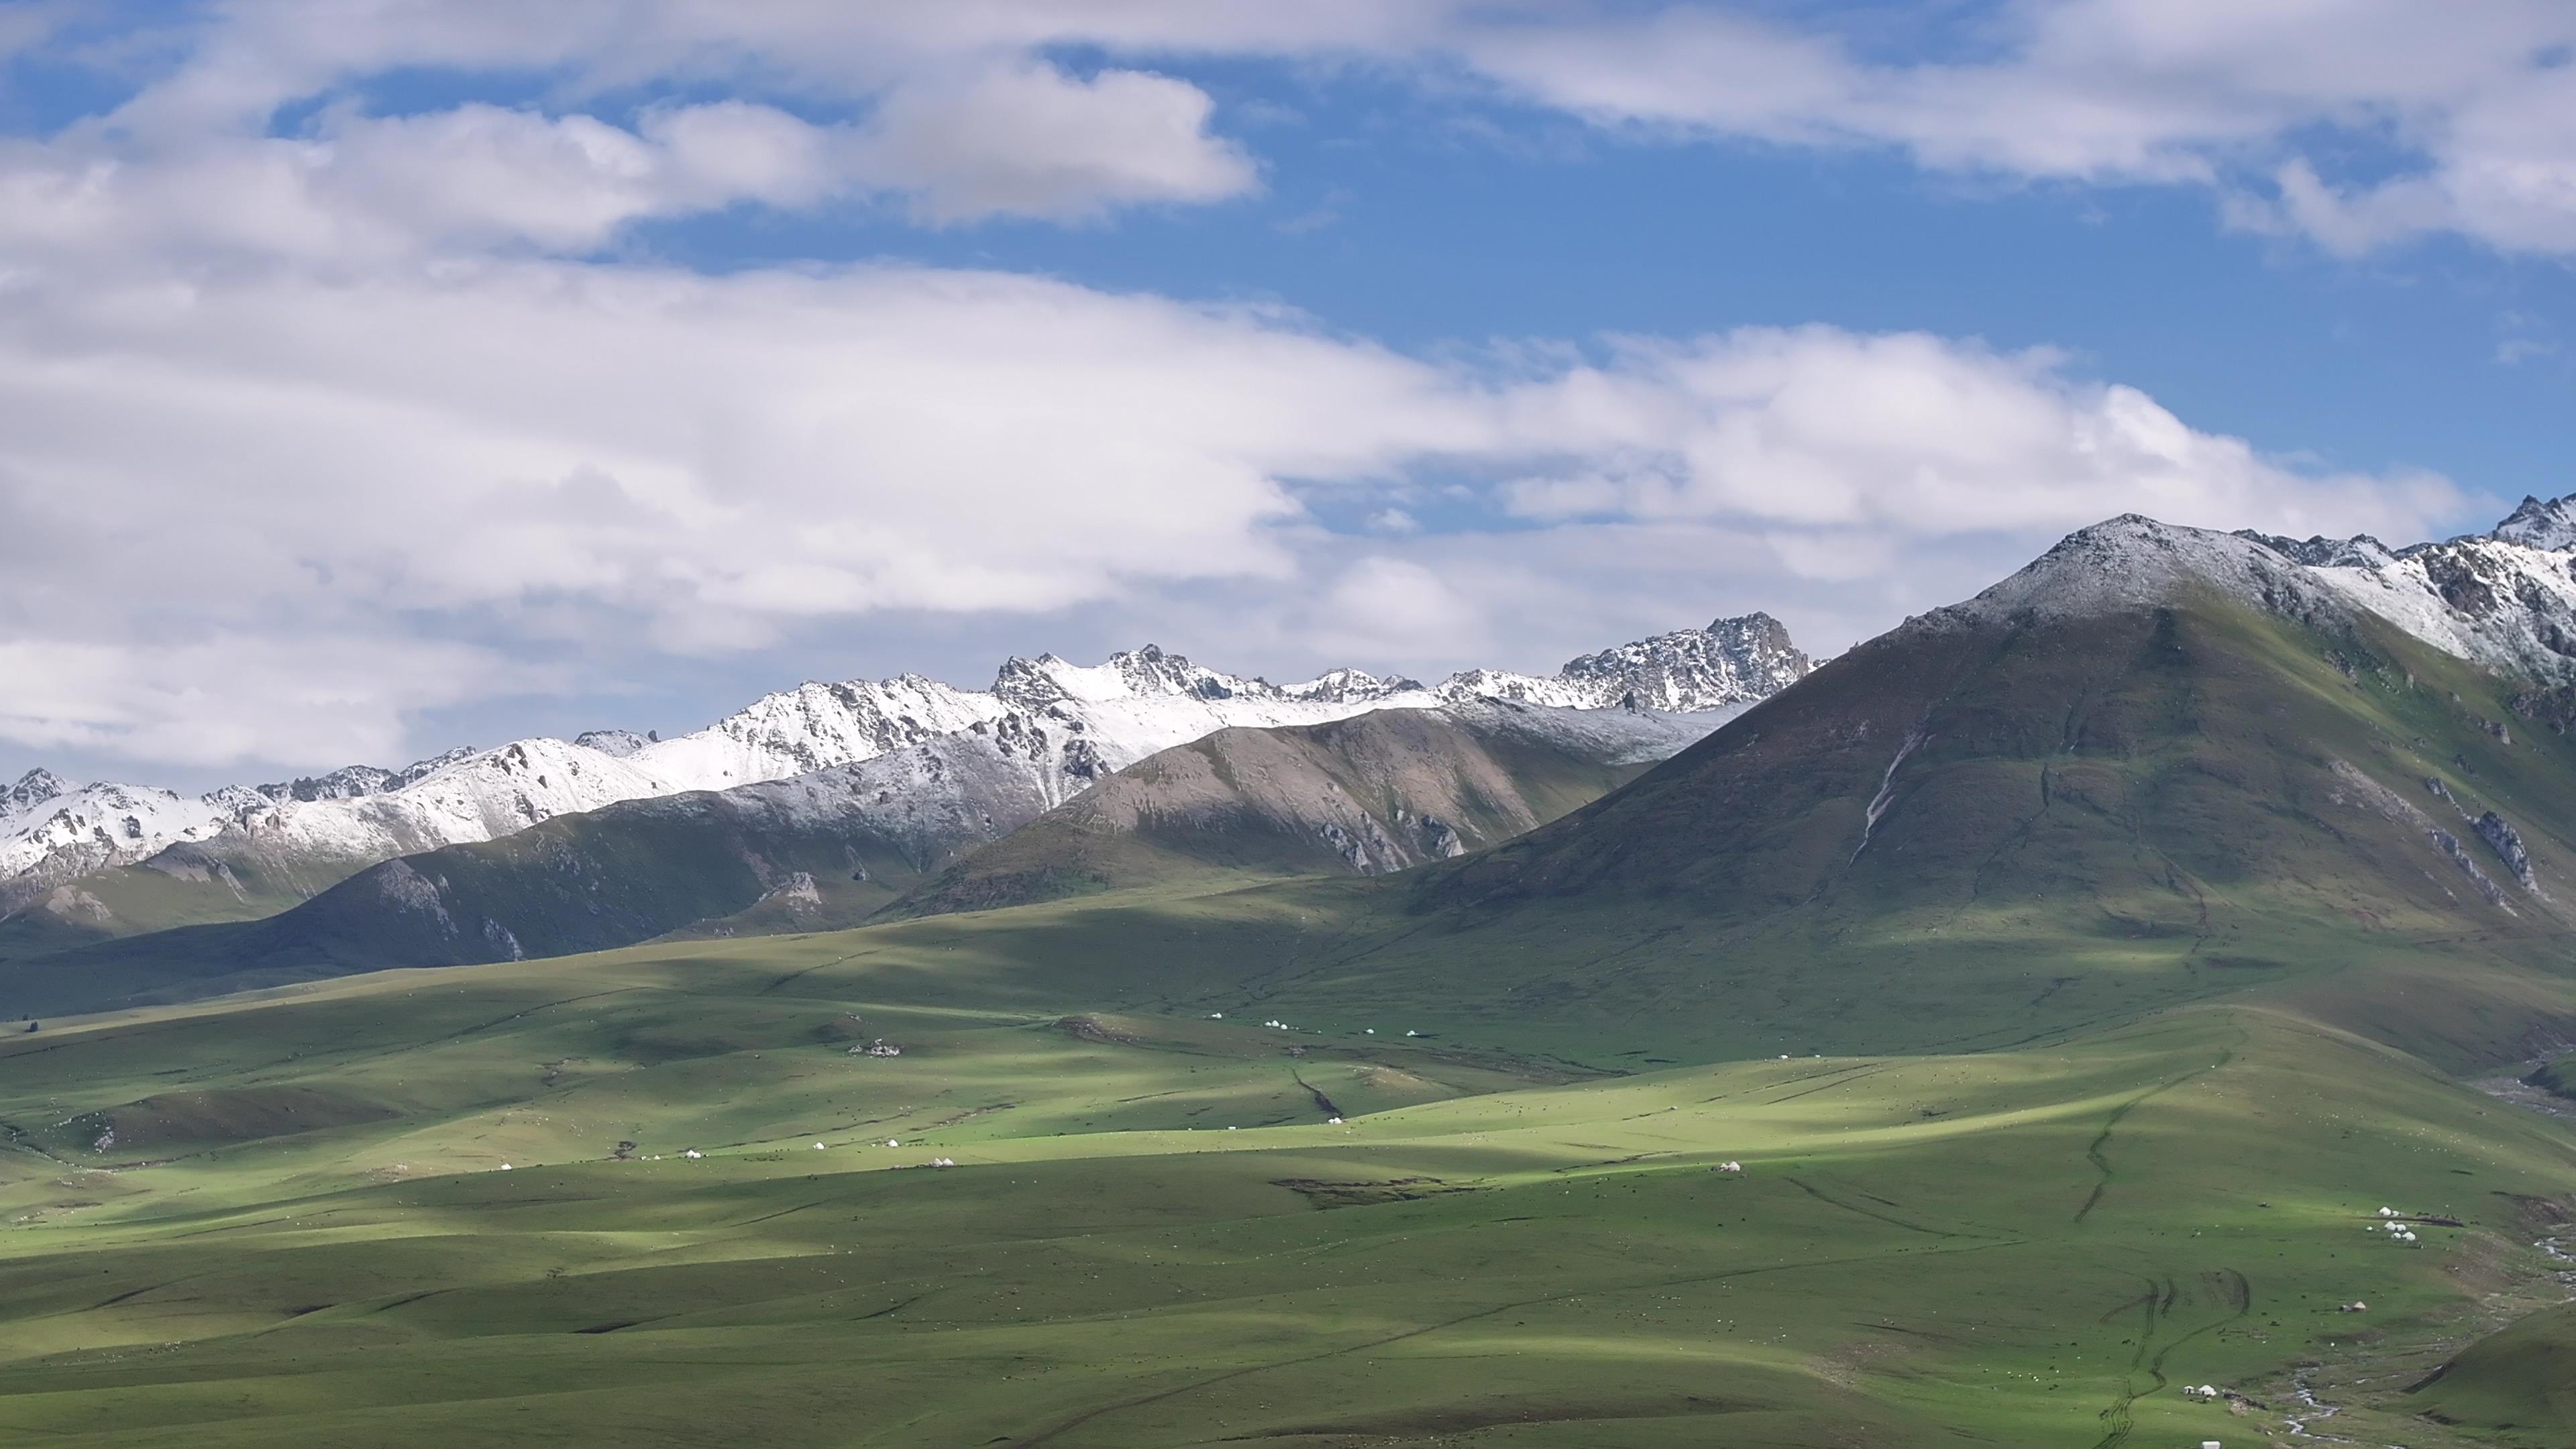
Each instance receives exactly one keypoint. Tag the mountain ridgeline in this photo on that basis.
(912, 755)
(1374, 792)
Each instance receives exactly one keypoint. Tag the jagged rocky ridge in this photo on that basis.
(1368, 793)
(1058, 725)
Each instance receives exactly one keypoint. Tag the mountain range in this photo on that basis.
(904, 773)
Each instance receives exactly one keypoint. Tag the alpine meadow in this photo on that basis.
(2080, 950)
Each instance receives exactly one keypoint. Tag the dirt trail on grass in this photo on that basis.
(2094, 1153)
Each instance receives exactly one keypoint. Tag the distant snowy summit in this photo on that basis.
(1732, 661)
(1053, 726)
(2504, 598)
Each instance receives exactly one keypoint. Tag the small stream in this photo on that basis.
(2318, 1411)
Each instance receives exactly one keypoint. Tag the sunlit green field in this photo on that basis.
(301, 1230)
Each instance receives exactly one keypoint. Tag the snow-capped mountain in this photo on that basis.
(1061, 726)
(1689, 670)
(2505, 598)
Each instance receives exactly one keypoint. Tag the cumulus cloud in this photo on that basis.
(318, 414)
(1032, 141)
(1822, 429)
(183, 704)
(590, 453)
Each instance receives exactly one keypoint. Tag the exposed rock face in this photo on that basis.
(2506, 842)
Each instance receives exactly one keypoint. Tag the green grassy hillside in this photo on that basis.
(299, 1229)
(2519, 1383)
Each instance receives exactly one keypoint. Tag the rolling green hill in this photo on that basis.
(2518, 1383)
(288, 1220)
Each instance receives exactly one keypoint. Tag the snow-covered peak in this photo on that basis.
(1064, 725)
(2484, 597)
(1350, 686)
(34, 788)
(1729, 664)
(346, 783)
(2133, 562)
(2537, 524)
(2361, 551)
(57, 831)
(617, 744)
(1147, 673)
(811, 727)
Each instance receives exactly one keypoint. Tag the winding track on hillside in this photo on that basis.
(2093, 1153)
(2119, 1420)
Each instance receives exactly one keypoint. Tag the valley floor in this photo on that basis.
(288, 1221)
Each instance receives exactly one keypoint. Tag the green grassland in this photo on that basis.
(300, 1232)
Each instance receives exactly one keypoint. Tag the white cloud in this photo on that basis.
(1381, 607)
(224, 698)
(2474, 106)
(1819, 428)
(1030, 140)
(2471, 109)
(309, 427)
(415, 461)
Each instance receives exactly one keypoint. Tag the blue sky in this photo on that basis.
(380, 377)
